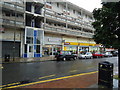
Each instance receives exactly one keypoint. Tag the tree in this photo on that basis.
(107, 25)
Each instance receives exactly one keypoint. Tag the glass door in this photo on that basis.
(30, 50)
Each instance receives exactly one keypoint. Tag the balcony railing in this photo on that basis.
(70, 20)
(62, 30)
(21, 19)
(7, 22)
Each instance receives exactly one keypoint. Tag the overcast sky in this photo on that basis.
(87, 4)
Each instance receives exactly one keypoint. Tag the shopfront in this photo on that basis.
(80, 47)
(33, 42)
(53, 45)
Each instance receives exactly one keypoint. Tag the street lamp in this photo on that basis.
(14, 31)
(63, 41)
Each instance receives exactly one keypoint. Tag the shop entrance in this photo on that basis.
(30, 50)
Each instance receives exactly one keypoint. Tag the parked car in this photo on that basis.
(98, 54)
(86, 55)
(108, 54)
(65, 55)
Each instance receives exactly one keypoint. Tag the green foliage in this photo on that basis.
(107, 24)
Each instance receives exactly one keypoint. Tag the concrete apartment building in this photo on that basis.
(43, 28)
(12, 27)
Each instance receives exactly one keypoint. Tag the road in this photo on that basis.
(18, 72)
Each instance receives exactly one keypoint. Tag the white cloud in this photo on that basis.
(87, 4)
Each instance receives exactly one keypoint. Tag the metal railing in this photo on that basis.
(59, 16)
(62, 30)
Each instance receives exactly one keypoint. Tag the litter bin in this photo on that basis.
(7, 58)
(105, 75)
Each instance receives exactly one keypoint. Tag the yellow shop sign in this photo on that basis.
(80, 44)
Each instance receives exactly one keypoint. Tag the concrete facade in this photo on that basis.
(43, 28)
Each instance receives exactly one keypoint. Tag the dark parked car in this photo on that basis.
(114, 53)
(65, 55)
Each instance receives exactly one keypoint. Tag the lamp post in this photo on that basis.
(63, 41)
(14, 32)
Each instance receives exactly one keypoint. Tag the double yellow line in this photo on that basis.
(9, 84)
(38, 82)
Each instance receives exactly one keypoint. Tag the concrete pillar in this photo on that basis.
(78, 49)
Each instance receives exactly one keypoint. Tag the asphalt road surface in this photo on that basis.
(20, 72)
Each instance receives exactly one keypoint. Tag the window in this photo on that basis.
(7, 14)
(25, 50)
(49, 2)
(79, 13)
(37, 48)
(29, 32)
(73, 11)
(13, 14)
(68, 9)
(29, 36)
(1, 20)
(58, 5)
(30, 48)
(19, 15)
(29, 40)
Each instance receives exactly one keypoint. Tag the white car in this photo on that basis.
(86, 55)
(108, 54)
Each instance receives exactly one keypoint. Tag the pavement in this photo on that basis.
(27, 60)
(86, 80)
(82, 81)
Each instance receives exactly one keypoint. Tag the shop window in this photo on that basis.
(29, 32)
(38, 40)
(40, 37)
(37, 48)
(29, 40)
(30, 48)
(25, 49)
(29, 36)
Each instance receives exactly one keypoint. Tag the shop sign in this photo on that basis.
(66, 43)
(53, 40)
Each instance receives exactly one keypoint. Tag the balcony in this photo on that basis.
(70, 20)
(20, 9)
(6, 5)
(20, 19)
(66, 31)
(11, 6)
(12, 23)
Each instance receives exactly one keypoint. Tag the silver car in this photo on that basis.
(86, 55)
(108, 54)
